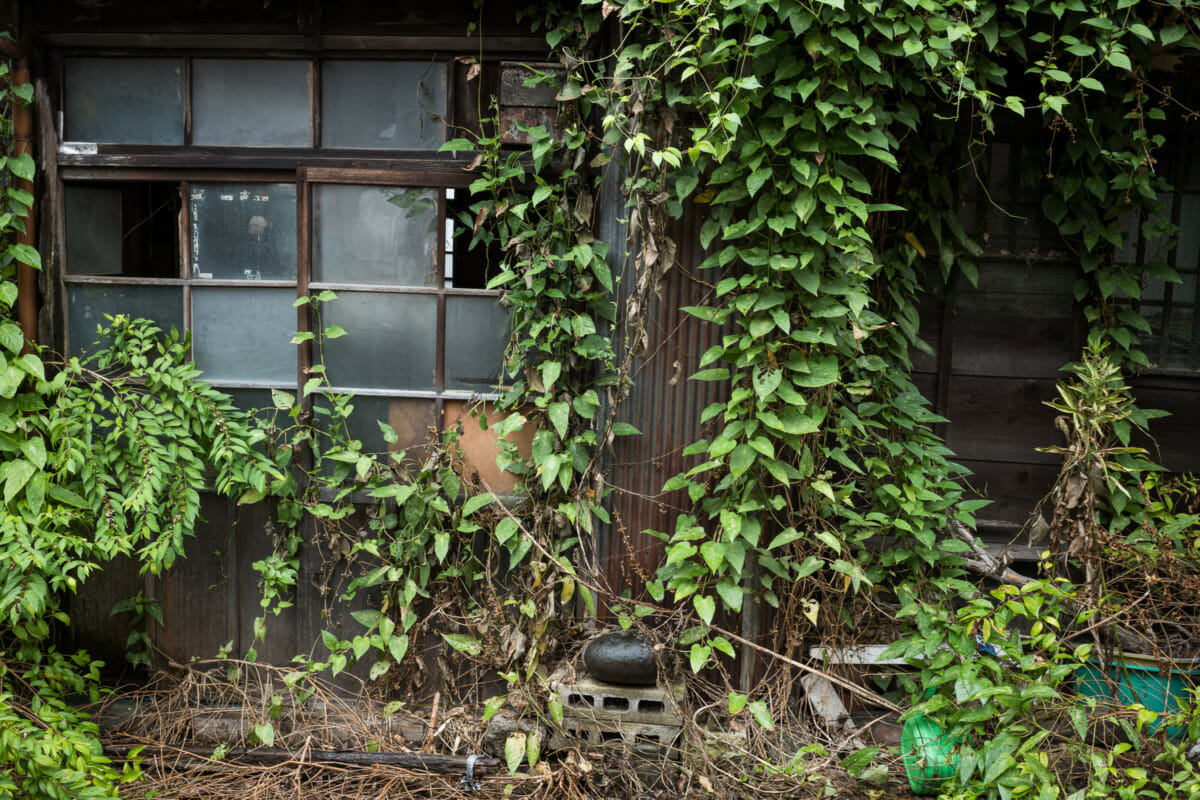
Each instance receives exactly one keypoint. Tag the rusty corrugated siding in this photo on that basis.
(665, 406)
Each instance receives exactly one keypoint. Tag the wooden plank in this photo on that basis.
(1014, 489)
(198, 595)
(233, 44)
(1175, 440)
(927, 384)
(423, 169)
(1012, 344)
(495, 44)
(174, 175)
(435, 173)
(93, 627)
(1001, 419)
(248, 43)
(324, 575)
(254, 541)
(930, 310)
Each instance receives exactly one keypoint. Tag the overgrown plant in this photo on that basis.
(104, 460)
(817, 141)
(101, 457)
(998, 671)
(827, 147)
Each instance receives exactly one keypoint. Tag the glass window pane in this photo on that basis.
(87, 305)
(395, 105)
(250, 102)
(258, 403)
(390, 341)
(126, 100)
(93, 230)
(244, 334)
(375, 235)
(126, 228)
(411, 419)
(476, 337)
(244, 231)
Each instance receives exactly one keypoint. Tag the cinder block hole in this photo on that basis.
(648, 740)
(579, 733)
(652, 706)
(580, 701)
(610, 736)
(617, 703)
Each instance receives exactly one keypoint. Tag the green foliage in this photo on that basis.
(102, 460)
(823, 143)
(826, 145)
(997, 671)
(404, 531)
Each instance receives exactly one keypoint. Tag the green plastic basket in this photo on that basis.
(930, 756)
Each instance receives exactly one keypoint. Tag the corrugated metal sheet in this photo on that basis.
(666, 407)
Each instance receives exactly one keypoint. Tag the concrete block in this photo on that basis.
(214, 725)
(638, 738)
(590, 699)
(504, 724)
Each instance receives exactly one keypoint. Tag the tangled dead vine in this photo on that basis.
(201, 733)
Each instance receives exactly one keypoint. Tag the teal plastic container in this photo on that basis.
(1139, 680)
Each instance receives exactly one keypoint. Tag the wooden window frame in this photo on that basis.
(302, 167)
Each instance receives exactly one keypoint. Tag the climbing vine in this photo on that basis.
(812, 138)
(827, 147)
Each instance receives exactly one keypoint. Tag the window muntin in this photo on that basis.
(407, 328)
(411, 281)
(212, 246)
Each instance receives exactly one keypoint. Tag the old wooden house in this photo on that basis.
(204, 163)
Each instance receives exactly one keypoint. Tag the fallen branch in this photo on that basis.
(985, 563)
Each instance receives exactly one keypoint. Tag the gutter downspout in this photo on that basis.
(23, 144)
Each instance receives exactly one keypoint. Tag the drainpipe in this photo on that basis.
(23, 135)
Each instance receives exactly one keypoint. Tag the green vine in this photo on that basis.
(826, 146)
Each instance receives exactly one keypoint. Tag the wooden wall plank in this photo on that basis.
(198, 595)
(93, 627)
(1175, 439)
(1001, 419)
(1014, 489)
(1011, 344)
